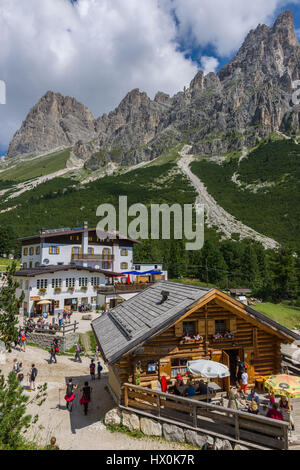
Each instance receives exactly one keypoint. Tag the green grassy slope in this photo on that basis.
(34, 168)
(273, 210)
(282, 313)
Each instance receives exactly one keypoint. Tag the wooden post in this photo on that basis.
(195, 421)
(237, 427)
(158, 405)
(126, 396)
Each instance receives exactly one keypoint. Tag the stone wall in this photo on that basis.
(152, 427)
(45, 340)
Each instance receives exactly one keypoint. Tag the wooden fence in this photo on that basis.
(291, 363)
(72, 327)
(231, 424)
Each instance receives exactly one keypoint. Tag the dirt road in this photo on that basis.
(74, 431)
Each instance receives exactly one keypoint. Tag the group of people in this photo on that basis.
(32, 374)
(191, 389)
(85, 399)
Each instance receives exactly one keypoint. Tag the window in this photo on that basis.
(124, 252)
(105, 265)
(178, 366)
(42, 283)
(90, 251)
(138, 267)
(25, 251)
(37, 265)
(188, 328)
(56, 283)
(71, 237)
(106, 251)
(90, 239)
(83, 282)
(220, 326)
(95, 281)
(76, 250)
(70, 282)
(24, 265)
(38, 250)
(56, 304)
(53, 250)
(124, 265)
(31, 251)
(30, 265)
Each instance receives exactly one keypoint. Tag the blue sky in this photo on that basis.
(99, 50)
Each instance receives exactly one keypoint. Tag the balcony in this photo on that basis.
(90, 257)
(123, 288)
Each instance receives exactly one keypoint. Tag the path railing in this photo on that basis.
(72, 327)
(216, 420)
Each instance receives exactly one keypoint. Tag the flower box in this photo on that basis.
(84, 288)
(223, 340)
(42, 291)
(71, 289)
(57, 290)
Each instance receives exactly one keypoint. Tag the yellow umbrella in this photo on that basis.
(44, 302)
(284, 385)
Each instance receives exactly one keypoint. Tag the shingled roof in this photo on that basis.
(52, 269)
(135, 321)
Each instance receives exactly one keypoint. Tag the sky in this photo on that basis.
(99, 50)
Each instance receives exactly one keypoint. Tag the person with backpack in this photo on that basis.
(54, 349)
(240, 365)
(32, 376)
(70, 394)
(77, 353)
(86, 396)
(16, 366)
(99, 369)
(22, 340)
(92, 369)
(20, 375)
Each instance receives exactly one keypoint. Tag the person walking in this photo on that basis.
(86, 396)
(22, 340)
(15, 366)
(92, 369)
(70, 394)
(77, 353)
(32, 374)
(53, 351)
(239, 371)
(60, 319)
(244, 383)
(99, 369)
(20, 375)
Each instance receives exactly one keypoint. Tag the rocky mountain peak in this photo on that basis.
(285, 29)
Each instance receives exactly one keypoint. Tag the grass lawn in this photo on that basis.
(39, 167)
(282, 313)
(4, 263)
(192, 282)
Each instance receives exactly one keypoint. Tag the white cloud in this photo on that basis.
(222, 23)
(98, 50)
(209, 64)
(94, 50)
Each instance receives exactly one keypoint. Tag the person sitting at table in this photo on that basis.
(275, 413)
(235, 401)
(190, 390)
(253, 396)
(179, 386)
(203, 389)
(253, 407)
(284, 405)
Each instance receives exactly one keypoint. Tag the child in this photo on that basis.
(20, 375)
(92, 369)
(244, 383)
(99, 369)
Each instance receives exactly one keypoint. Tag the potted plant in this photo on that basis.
(57, 290)
(42, 291)
(71, 289)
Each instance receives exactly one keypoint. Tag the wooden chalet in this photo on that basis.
(168, 324)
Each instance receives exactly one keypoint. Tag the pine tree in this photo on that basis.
(9, 308)
(14, 421)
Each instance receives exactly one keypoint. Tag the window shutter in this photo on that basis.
(50, 250)
(232, 325)
(179, 330)
(57, 250)
(211, 327)
(73, 251)
(201, 327)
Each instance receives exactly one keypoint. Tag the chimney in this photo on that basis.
(85, 225)
(42, 231)
(165, 295)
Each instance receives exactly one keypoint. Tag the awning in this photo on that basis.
(126, 296)
(139, 273)
(44, 302)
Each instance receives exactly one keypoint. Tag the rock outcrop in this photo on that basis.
(244, 102)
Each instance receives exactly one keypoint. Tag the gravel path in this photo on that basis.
(74, 431)
(216, 216)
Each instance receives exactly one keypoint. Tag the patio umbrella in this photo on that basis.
(284, 385)
(44, 302)
(208, 369)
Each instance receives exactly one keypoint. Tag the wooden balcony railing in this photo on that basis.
(94, 257)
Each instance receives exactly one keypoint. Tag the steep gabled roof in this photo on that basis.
(51, 269)
(137, 320)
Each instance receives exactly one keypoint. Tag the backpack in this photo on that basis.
(56, 349)
(92, 368)
(23, 337)
(34, 372)
(87, 393)
(70, 390)
(78, 348)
